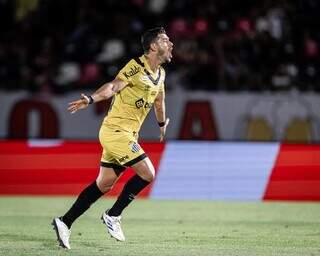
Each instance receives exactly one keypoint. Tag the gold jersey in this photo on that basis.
(131, 105)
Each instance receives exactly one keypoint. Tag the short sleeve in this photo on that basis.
(129, 71)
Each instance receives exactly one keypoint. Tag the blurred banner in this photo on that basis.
(287, 117)
(184, 170)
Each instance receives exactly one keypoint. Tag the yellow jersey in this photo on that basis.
(131, 105)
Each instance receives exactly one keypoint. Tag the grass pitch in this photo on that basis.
(170, 228)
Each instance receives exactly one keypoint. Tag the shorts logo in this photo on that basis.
(122, 159)
(134, 146)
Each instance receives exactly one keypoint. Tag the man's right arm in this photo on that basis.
(105, 92)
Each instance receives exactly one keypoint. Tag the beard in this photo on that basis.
(164, 56)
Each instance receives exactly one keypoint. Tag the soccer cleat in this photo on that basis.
(62, 232)
(113, 226)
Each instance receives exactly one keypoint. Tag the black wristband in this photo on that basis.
(90, 99)
(161, 124)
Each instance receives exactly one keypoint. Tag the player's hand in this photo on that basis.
(163, 129)
(78, 104)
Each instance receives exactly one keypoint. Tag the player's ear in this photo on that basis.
(153, 47)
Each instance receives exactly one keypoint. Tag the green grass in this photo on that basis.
(164, 228)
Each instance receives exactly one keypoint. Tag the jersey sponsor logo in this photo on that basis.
(133, 70)
(134, 146)
(141, 103)
(122, 159)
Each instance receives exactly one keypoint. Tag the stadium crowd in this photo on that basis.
(57, 46)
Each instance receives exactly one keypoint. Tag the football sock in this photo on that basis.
(130, 190)
(86, 198)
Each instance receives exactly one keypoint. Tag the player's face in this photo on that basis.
(164, 46)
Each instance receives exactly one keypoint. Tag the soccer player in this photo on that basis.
(138, 86)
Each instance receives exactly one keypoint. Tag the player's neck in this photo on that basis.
(153, 61)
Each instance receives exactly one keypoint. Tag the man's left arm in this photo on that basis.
(160, 111)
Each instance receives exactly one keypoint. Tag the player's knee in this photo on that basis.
(105, 179)
(148, 175)
(145, 170)
(149, 178)
(104, 186)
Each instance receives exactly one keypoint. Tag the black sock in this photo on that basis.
(130, 190)
(87, 197)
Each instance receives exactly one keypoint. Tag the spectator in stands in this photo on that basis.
(236, 45)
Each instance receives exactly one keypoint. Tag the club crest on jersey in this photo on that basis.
(133, 70)
(134, 146)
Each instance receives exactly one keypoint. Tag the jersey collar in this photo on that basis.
(146, 67)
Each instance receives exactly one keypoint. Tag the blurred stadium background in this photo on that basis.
(242, 95)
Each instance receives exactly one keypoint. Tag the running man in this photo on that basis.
(138, 86)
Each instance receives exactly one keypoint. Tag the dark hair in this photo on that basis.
(150, 36)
